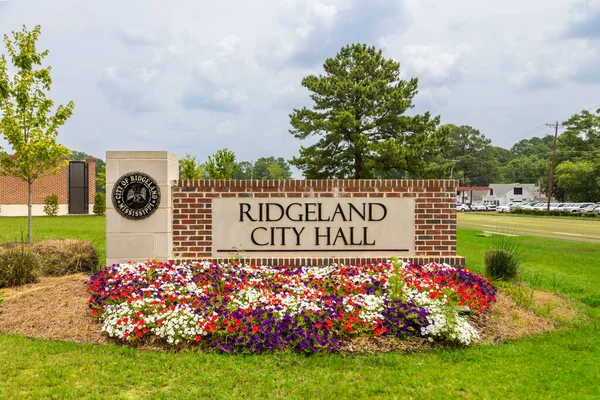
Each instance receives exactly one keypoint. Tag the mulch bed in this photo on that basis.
(57, 308)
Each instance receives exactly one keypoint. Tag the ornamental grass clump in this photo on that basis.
(66, 256)
(503, 262)
(19, 265)
(248, 308)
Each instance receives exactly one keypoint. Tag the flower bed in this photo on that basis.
(259, 308)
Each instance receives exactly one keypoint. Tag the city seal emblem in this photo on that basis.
(136, 195)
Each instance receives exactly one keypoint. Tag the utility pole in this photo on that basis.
(551, 167)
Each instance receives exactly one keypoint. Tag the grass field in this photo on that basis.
(92, 228)
(562, 364)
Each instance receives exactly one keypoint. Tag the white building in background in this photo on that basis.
(504, 193)
(471, 194)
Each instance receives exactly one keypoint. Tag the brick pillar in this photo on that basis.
(149, 238)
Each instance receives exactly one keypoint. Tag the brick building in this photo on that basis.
(13, 192)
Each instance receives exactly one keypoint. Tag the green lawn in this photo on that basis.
(562, 364)
(92, 228)
(562, 266)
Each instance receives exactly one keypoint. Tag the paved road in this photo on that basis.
(556, 228)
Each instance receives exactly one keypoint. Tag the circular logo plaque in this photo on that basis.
(136, 195)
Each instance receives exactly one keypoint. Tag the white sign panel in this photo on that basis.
(315, 227)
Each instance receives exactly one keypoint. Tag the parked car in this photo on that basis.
(491, 207)
(534, 206)
(525, 205)
(505, 208)
(544, 206)
(597, 209)
(478, 207)
(579, 207)
(558, 206)
(589, 207)
(462, 207)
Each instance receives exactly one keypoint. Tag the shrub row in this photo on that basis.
(21, 263)
(556, 213)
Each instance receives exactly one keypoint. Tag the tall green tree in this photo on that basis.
(475, 160)
(272, 168)
(579, 180)
(359, 116)
(221, 165)
(264, 168)
(578, 158)
(582, 133)
(190, 168)
(245, 170)
(28, 123)
(526, 169)
(539, 147)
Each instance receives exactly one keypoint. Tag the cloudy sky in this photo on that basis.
(197, 76)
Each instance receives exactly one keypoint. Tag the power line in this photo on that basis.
(539, 127)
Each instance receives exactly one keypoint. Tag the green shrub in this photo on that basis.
(19, 265)
(66, 256)
(589, 214)
(1, 298)
(51, 205)
(99, 203)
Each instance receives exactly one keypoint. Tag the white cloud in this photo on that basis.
(584, 20)
(130, 89)
(433, 65)
(206, 75)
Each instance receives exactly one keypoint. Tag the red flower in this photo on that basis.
(198, 338)
(255, 329)
(230, 329)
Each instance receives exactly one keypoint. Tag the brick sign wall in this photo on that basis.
(432, 203)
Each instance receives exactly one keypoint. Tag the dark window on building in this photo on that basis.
(518, 191)
(491, 192)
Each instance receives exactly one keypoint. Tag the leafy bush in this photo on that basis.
(589, 214)
(99, 203)
(51, 205)
(66, 256)
(19, 265)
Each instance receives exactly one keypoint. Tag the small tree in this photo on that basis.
(101, 179)
(221, 165)
(189, 168)
(27, 123)
(51, 205)
(99, 203)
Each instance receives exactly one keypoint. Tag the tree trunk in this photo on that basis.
(358, 164)
(29, 200)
